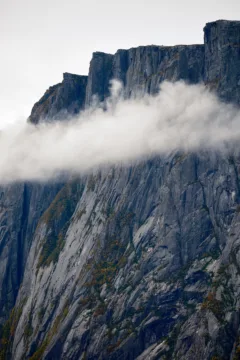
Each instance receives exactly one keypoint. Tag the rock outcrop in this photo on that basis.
(61, 101)
(142, 69)
(222, 59)
(129, 263)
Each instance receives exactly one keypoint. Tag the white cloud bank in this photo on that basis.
(181, 117)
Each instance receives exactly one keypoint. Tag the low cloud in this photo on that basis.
(181, 117)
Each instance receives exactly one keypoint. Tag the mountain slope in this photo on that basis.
(138, 262)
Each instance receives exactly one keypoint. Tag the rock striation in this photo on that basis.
(61, 101)
(129, 263)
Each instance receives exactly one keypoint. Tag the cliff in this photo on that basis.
(61, 101)
(129, 263)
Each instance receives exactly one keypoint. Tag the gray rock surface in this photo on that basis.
(21, 207)
(142, 69)
(222, 60)
(61, 101)
(139, 262)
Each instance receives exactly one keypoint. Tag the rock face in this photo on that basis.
(61, 101)
(142, 69)
(222, 59)
(129, 263)
(21, 206)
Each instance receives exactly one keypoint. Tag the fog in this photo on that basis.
(180, 117)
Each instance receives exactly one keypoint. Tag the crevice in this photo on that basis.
(22, 234)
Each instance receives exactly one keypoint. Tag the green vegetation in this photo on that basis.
(39, 352)
(214, 305)
(5, 339)
(57, 218)
(237, 350)
(64, 202)
(227, 303)
(51, 250)
(103, 273)
(8, 330)
(41, 314)
(104, 270)
(28, 331)
(91, 183)
(53, 331)
(123, 218)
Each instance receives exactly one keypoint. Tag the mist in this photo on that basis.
(180, 117)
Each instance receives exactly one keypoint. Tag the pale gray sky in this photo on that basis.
(41, 39)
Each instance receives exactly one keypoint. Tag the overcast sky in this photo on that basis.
(41, 39)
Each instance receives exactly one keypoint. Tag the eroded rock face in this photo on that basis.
(61, 101)
(142, 69)
(222, 58)
(21, 207)
(132, 263)
(23, 204)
